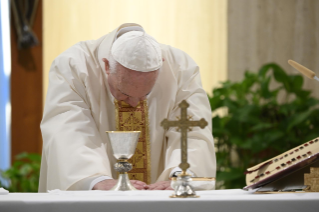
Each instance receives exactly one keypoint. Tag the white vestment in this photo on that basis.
(79, 109)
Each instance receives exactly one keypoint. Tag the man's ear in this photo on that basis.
(106, 65)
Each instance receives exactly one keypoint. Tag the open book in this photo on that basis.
(284, 172)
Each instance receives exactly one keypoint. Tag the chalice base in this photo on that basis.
(123, 184)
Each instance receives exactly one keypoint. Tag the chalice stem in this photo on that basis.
(123, 183)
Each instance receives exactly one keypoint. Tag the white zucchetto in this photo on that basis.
(137, 51)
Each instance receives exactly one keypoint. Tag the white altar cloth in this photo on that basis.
(153, 201)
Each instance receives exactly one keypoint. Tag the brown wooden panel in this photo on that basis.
(26, 92)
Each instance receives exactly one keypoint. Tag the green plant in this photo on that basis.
(260, 122)
(23, 175)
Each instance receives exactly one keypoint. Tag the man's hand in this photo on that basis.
(108, 184)
(162, 185)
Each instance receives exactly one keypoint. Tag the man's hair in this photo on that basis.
(112, 64)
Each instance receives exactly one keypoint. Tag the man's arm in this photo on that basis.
(103, 183)
(72, 144)
(110, 183)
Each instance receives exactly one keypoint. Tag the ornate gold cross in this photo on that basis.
(184, 124)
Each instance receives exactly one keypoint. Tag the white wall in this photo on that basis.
(196, 26)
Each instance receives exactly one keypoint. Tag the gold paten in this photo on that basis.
(198, 178)
(312, 180)
(198, 183)
(130, 118)
(184, 124)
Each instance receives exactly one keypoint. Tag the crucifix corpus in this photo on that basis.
(184, 124)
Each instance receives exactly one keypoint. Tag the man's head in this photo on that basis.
(128, 85)
(133, 66)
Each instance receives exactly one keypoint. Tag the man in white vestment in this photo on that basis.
(123, 81)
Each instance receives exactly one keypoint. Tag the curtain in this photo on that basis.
(5, 70)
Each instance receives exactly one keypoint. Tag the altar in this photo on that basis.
(153, 201)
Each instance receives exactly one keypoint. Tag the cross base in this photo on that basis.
(183, 189)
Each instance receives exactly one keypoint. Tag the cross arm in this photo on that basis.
(167, 124)
(201, 123)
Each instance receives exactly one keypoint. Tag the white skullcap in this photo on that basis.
(137, 51)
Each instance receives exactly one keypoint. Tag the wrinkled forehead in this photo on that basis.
(134, 83)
